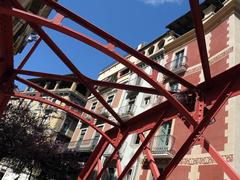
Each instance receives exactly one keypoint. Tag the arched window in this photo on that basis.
(150, 50)
(161, 44)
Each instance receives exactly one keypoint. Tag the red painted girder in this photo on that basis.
(142, 146)
(40, 89)
(76, 72)
(70, 65)
(24, 61)
(109, 38)
(99, 165)
(196, 11)
(152, 163)
(41, 21)
(119, 167)
(6, 56)
(220, 161)
(67, 109)
(121, 138)
(94, 157)
(144, 121)
(222, 98)
(29, 54)
(95, 82)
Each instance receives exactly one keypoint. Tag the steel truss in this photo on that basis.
(214, 92)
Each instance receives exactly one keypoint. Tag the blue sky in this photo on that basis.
(132, 21)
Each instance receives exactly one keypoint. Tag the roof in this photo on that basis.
(185, 23)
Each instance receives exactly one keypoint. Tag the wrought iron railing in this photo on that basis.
(178, 65)
(162, 145)
(83, 145)
(128, 110)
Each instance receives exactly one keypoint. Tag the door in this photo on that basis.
(164, 137)
(178, 59)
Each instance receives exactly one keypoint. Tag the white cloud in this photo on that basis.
(158, 2)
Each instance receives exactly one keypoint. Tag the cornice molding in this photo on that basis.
(231, 7)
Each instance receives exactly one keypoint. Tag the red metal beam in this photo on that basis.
(40, 89)
(29, 54)
(220, 161)
(94, 82)
(119, 167)
(222, 98)
(196, 11)
(121, 138)
(93, 159)
(6, 56)
(141, 148)
(152, 163)
(97, 45)
(68, 62)
(109, 38)
(99, 166)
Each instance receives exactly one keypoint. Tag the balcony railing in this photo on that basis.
(87, 145)
(127, 111)
(162, 146)
(103, 111)
(178, 66)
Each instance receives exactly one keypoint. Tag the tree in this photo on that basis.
(26, 142)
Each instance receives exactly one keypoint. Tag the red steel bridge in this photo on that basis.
(212, 93)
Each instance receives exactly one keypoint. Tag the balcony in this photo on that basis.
(110, 150)
(178, 66)
(103, 111)
(162, 146)
(87, 145)
(127, 111)
(134, 82)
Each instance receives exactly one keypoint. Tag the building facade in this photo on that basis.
(176, 50)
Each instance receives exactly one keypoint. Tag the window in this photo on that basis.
(163, 141)
(97, 134)
(150, 50)
(94, 104)
(137, 139)
(123, 72)
(159, 57)
(110, 99)
(142, 65)
(174, 86)
(161, 44)
(131, 103)
(82, 134)
(64, 85)
(146, 100)
(178, 59)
